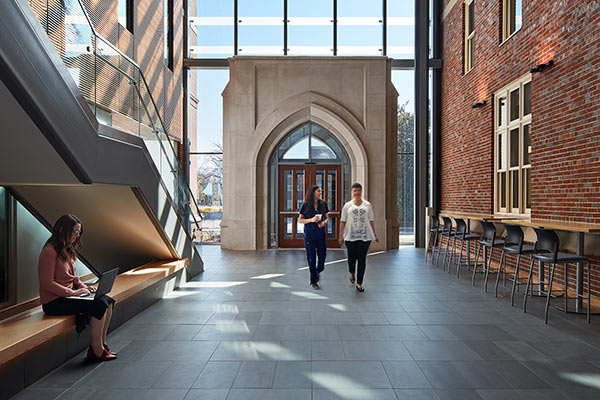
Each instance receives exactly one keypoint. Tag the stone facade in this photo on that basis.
(267, 97)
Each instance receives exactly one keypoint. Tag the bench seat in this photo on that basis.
(32, 328)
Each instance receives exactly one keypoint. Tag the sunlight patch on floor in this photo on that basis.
(214, 284)
(587, 379)
(267, 276)
(309, 295)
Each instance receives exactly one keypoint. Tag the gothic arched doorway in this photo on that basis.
(308, 155)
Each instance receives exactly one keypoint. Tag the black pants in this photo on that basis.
(315, 247)
(93, 308)
(357, 251)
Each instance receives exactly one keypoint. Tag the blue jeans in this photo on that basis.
(315, 247)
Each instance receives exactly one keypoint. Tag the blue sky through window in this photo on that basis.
(310, 27)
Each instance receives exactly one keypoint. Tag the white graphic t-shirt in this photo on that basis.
(357, 219)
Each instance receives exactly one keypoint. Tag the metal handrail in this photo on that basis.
(174, 168)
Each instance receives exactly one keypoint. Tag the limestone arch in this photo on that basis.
(299, 109)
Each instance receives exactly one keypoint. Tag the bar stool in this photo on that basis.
(434, 230)
(446, 232)
(487, 240)
(462, 235)
(513, 244)
(547, 240)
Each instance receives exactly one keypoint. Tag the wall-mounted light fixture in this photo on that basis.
(479, 104)
(542, 67)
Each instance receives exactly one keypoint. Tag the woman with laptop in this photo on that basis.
(59, 283)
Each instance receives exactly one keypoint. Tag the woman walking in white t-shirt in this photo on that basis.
(358, 230)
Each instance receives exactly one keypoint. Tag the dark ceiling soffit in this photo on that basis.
(215, 63)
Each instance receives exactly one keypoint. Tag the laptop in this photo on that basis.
(104, 287)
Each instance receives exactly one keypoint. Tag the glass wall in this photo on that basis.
(206, 153)
(213, 25)
(360, 28)
(404, 83)
(401, 29)
(260, 27)
(310, 28)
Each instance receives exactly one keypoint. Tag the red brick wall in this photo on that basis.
(565, 124)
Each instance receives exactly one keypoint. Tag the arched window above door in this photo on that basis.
(310, 142)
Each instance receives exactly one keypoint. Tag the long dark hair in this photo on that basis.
(61, 237)
(310, 197)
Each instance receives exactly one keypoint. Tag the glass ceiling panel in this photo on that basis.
(211, 30)
(360, 28)
(260, 27)
(401, 29)
(310, 28)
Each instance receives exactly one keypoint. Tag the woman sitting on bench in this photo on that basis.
(58, 281)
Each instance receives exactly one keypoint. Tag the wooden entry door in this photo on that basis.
(294, 182)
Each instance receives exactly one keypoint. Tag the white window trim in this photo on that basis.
(504, 130)
(505, 13)
(469, 59)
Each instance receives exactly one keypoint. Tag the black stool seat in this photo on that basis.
(470, 236)
(514, 249)
(547, 240)
(560, 258)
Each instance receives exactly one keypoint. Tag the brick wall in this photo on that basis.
(565, 127)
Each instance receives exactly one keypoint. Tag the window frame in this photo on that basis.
(469, 47)
(507, 7)
(128, 15)
(168, 39)
(503, 128)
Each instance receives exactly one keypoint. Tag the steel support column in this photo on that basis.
(421, 111)
(436, 109)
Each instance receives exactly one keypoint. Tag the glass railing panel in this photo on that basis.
(117, 92)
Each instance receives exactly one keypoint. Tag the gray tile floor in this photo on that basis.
(251, 328)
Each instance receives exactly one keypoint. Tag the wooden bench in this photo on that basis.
(32, 328)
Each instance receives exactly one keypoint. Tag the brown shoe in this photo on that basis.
(106, 356)
(91, 355)
(108, 350)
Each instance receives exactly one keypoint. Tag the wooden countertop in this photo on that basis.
(555, 224)
(478, 216)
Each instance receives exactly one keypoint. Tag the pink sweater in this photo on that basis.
(57, 277)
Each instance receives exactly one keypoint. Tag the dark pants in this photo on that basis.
(357, 251)
(315, 247)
